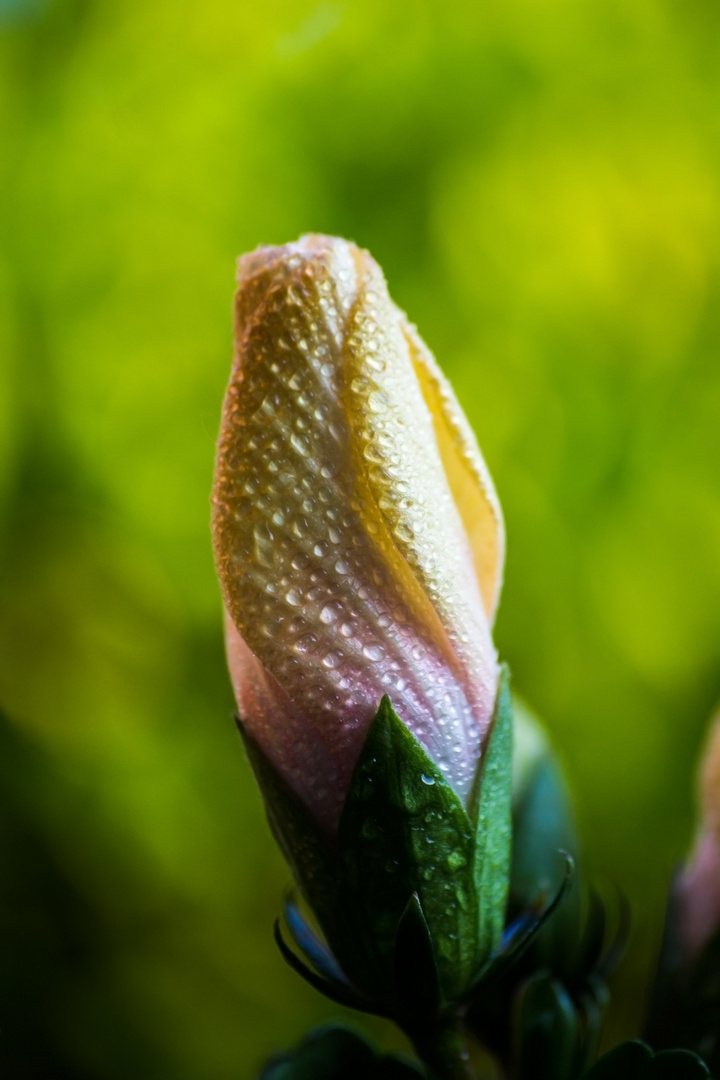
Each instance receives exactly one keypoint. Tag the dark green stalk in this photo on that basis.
(441, 1045)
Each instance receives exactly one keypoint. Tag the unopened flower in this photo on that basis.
(697, 888)
(358, 537)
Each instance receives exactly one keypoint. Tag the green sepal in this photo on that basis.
(635, 1060)
(416, 976)
(308, 850)
(491, 808)
(403, 830)
(336, 1052)
(543, 824)
(548, 1032)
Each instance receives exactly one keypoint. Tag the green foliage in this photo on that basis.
(635, 1060)
(548, 1035)
(338, 1053)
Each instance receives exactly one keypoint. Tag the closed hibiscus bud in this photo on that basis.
(685, 1003)
(697, 888)
(359, 544)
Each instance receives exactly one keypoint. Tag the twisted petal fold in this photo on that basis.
(358, 537)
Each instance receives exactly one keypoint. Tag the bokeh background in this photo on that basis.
(540, 181)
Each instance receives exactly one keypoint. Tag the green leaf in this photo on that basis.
(338, 1053)
(679, 1065)
(628, 1061)
(492, 819)
(404, 830)
(635, 1060)
(548, 1032)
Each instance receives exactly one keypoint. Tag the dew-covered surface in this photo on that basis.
(343, 557)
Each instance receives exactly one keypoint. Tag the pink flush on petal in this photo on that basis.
(697, 888)
(358, 538)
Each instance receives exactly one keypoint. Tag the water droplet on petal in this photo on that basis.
(329, 613)
(373, 652)
(306, 643)
(300, 444)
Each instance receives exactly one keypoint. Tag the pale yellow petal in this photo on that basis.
(394, 432)
(467, 474)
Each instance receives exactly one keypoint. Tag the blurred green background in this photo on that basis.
(539, 179)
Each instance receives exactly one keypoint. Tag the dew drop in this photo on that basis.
(306, 643)
(263, 538)
(427, 780)
(329, 614)
(300, 527)
(404, 532)
(373, 652)
(456, 860)
(300, 444)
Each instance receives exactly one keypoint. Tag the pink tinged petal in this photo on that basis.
(697, 890)
(319, 774)
(409, 484)
(697, 896)
(342, 554)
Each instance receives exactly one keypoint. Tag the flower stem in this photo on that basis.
(442, 1048)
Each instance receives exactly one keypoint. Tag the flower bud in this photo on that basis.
(685, 999)
(358, 538)
(697, 888)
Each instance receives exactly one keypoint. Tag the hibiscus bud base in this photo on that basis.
(411, 892)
